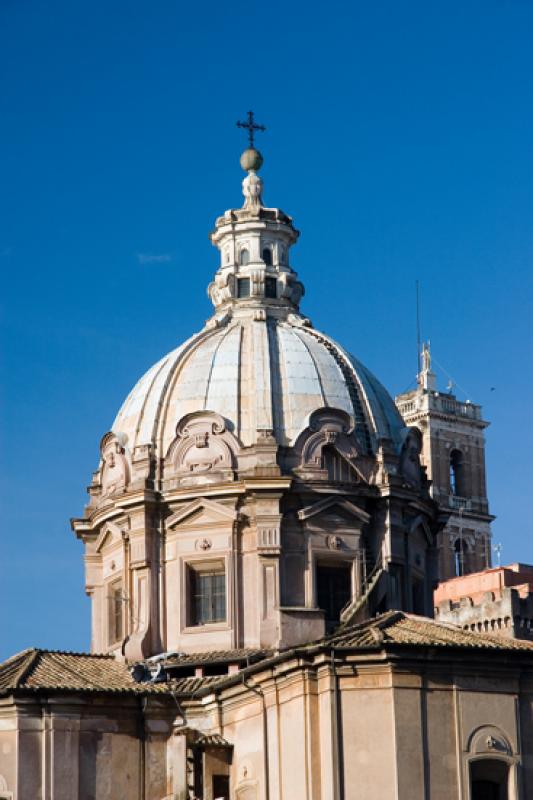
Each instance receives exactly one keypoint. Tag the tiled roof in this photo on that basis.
(189, 686)
(47, 669)
(36, 669)
(213, 740)
(399, 628)
(237, 656)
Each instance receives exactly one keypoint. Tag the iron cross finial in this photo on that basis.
(251, 127)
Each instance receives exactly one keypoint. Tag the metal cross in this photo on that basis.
(251, 126)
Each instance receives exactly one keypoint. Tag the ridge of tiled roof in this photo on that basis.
(214, 656)
(15, 668)
(190, 686)
(401, 628)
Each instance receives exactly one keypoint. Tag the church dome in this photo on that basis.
(256, 477)
(257, 363)
(259, 375)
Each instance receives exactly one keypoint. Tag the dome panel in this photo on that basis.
(146, 431)
(263, 365)
(387, 420)
(333, 382)
(129, 416)
(190, 386)
(301, 391)
(223, 387)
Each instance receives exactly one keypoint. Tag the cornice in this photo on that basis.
(424, 414)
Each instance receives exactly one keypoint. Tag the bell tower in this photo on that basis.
(453, 452)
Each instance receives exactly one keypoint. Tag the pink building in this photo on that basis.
(498, 600)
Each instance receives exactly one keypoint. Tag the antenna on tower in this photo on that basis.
(418, 342)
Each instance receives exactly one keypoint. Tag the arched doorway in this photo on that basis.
(489, 779)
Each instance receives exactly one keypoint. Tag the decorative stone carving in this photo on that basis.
(410, 467)
(220, 289)
(489, 739)
(268, 534)
(252, 188)
(203, 448)
(291, 288)
(203, 544)
(329, 428)
(334, 542)
(115, 471)
(299, 322)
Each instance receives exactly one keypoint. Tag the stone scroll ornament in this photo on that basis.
(115, 470)
(410, 467)
(329, 428)
(203, 447)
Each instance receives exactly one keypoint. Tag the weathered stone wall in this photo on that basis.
(68, 749)
(507, 615)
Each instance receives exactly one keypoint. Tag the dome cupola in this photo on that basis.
(254, 276)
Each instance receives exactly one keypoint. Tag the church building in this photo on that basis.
(264, 533)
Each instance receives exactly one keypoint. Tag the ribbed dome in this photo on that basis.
(259, 375)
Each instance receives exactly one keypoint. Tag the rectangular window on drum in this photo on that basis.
(270, 287)
(243, 287)
(207, 595)
(114, 608)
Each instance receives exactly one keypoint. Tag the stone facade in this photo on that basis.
(453, 453)
(498, 600)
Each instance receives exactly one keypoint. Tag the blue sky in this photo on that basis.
(400, 137)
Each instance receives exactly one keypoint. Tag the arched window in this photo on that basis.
(244, 257)
(267, 256)
(456, 473)
(460, 550)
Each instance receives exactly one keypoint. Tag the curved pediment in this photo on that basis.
(328, 449)
(489, 739)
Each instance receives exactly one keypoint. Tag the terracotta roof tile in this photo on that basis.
(47, 669)
(36, 669)
(399, 628)
(13, 670)
(239, 655)
(188, 686)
